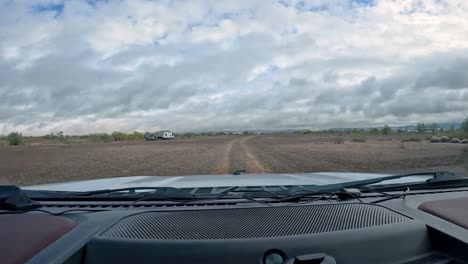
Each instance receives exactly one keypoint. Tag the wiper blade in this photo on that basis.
(437, 177)
(163, 192)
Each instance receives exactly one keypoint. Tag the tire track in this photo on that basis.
(225, 166)
(252, 164)
(236, 156)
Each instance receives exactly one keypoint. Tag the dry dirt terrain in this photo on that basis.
(277, 153)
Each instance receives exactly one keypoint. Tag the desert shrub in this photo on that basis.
(356, 131)
(338, 141)
(386, 130)
(435, 139)
(135, 135)
(358, 139)
(119, 136)
(15, 138)
(99, 137)
(464, 141)
(455, 140)
(412, 139)
(444, 139)
(457, 134)
(374, 131)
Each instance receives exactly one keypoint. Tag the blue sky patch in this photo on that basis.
(364, 2)
(57, 8)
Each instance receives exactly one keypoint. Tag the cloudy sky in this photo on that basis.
(100, 66)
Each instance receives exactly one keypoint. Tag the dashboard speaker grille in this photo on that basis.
(244, 223)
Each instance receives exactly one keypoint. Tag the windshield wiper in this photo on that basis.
(438, 179)
(131, 192)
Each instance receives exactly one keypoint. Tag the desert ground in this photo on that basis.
(269, 153)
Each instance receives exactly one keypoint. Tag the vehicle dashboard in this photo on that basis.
(428, 227)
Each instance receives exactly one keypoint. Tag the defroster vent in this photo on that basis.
(244, 223)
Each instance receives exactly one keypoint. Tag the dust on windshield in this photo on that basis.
(104, 89)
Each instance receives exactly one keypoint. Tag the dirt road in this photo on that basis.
(281, 153)
(238, 156)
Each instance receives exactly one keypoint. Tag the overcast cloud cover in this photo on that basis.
(100, 66)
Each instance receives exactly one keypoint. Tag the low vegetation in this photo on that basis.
(15, 138)
(430, 132)
(444, 139)
(464, 125)
(358, 139)
(412, 139)
(338, 141)
(98, 137)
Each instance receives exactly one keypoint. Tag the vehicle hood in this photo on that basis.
(200, 181)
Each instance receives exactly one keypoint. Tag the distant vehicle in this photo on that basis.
(165, 135)
(150, 137)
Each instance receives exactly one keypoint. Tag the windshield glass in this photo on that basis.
(196, 94)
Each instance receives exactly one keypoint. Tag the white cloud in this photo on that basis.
(227, 64)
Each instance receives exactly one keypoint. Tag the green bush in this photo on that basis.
(386, 130)
(358, 139)
(15, 138)
(444, 139)
(464, 125)
(99, 137)
(435, 139)
(135, 135)
(119, 136)
(455, 140)
(374, 131)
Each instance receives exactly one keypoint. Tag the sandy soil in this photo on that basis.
(41, 163)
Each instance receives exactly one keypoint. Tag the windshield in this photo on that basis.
(99, 95)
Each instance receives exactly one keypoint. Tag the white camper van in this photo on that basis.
(165, 135)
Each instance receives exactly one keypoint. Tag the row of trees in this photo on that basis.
(385, 130)
(16, 138)
(421, 127)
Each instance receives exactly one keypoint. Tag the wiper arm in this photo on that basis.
(437, 177)
(163, 192)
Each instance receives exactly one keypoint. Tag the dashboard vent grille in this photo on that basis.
(244, 223)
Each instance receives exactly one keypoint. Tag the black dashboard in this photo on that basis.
(421, 228)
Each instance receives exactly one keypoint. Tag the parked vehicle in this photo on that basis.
(165, 135)
(150, 137)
